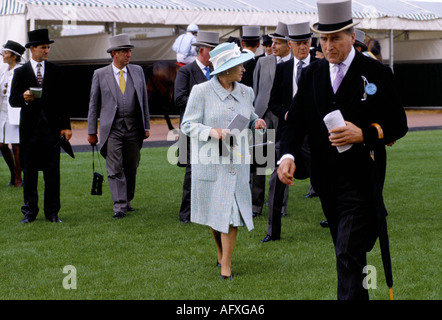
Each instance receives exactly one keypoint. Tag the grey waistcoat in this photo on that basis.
(128, 111)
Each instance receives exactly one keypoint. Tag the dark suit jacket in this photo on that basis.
(55, 101)
(186, 78)
(247, 77)
(315, 98)
(281, 95)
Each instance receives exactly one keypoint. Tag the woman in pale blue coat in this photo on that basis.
(220, 191)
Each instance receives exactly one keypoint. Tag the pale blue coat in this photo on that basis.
(220, 185)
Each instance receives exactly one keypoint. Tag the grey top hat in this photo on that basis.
(359, 39)
(334, 16)
(250, 33)
(207, 39)
(299, 31)
(281, 31)
(119, 42)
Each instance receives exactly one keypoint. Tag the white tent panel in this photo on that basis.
(373, 15)
(84, 47)
(418, 51)
(162, 16)
(399, 24)
(13, 27)
(93, 48)
(213, 12)
(71, 12)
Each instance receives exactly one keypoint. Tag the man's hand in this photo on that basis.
(28, 96)
(92, 139)
(286, 171)
(67, 134)
(349, 134)
(146, 134)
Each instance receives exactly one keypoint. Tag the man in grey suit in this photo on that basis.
(263, 77)
(188, 76)
(119, 98)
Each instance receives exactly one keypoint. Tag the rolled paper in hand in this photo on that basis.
(335, 119)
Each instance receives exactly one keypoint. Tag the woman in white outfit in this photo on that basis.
(10, 117)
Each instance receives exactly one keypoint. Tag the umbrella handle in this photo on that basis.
(390, 290)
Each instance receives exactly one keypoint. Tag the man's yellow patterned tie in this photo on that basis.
(122, 82)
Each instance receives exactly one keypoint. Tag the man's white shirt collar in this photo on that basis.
(34, 66)
(248, 50)
(34, 63)
(306, 61)
(117, 71)
(346, 66)
(202, 67)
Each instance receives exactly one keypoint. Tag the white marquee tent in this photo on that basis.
(403, 23)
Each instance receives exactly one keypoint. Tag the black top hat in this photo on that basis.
(234, 40)
(37, 37)
(15, 47)
(266, 40)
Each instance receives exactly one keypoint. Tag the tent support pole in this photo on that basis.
(31, 24)
(391, 50)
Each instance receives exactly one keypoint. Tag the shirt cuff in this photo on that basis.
(286, 156)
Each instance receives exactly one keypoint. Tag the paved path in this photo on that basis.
(160, 133)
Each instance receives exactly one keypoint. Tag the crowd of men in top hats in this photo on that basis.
(294, 92)
(296, 87)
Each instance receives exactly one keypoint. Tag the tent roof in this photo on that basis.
(219, 12)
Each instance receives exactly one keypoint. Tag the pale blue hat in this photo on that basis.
(227, 55)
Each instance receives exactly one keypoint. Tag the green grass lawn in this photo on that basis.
(151, 255)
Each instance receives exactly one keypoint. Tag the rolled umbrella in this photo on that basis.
(381, 213)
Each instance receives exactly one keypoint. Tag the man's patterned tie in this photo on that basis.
(338, 79)
(39, 76)
(298, 72)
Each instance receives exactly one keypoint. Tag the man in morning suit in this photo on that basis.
(119, 99)
(348, 183)
(188, 76)
(263, 77)
(284, 88)
(250, 43)
(43, 120)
